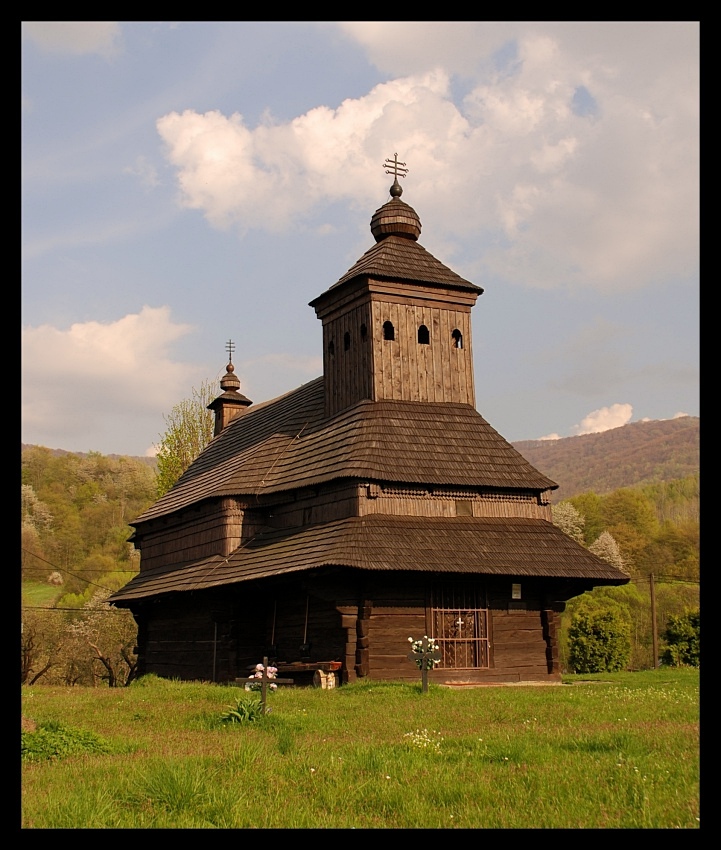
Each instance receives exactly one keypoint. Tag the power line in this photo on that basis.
(108, 610)
(89, 570)
(74, 575)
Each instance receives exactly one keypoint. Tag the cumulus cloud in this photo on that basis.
(92, 384)
(604, 419)
(75, 37)
(553, 436)
(579, 168)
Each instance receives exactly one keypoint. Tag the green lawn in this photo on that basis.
(613, 750)
(39, 593)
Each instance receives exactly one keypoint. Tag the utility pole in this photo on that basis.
(653, 622)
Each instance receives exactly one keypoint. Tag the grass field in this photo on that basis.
(39, 593)
(614, 750)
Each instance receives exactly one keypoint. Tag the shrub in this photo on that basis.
(51, 740)
(683, 636)
(599, 641)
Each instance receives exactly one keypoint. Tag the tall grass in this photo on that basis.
(618, 751)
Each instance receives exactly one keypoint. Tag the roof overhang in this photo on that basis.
(469, 546)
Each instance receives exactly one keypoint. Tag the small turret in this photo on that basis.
(231, 403)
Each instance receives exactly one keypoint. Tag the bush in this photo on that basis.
(51, 740)
(599, 641)
(683, 636)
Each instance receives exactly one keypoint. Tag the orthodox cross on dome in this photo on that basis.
(230, 348)
(397, 169)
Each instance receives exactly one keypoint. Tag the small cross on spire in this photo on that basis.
(230, 348)
(397, 169)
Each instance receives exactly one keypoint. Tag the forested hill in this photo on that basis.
(149, 461)
(635, 454)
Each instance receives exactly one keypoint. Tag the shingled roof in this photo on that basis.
(286, 443)
(465, 545)
(404, 259)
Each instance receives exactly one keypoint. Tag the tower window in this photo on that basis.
(424, 337)
(331, 348)
(457, 338)
(346, 341)
(388, 330)
(364, 333)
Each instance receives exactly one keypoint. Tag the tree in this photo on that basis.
(607, 548)
(683, 636)
(569, 519)
(189, 430)
(599, 641)
(589, 506)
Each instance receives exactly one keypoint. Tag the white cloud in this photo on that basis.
(604, 419)
(602, 197)
(75, 37)
(89, 386)
(404, 47)
(553, 436)
(680, 415)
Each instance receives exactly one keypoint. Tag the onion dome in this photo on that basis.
(230, 381)
(396, 218)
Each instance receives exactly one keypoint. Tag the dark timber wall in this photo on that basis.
(363, 621)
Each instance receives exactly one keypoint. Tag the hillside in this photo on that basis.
(149, 461)
(635, 454)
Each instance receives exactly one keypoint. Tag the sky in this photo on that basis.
(187, 183)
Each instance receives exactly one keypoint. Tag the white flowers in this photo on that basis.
(425, 740)
(255, 685)
(425, 645)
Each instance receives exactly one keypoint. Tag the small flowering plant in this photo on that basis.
(254, 682)
(425, 740)
(428, 645)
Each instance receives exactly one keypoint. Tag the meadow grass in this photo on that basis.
(614, 750)
(39, 593)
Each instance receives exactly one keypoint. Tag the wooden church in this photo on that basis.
(325, 527)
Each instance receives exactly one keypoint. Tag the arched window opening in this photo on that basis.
(388, 330)
(346, 341)
(424, 337)
(331, 348)
(457, 339)
(364, 333)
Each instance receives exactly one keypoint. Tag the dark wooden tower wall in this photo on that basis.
(399, 341)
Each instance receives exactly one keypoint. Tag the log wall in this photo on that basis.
(310, 506)
(213, 528)
(363, 623)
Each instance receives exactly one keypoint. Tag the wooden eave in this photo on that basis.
(478, 546)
